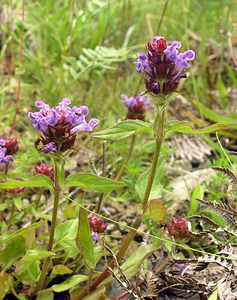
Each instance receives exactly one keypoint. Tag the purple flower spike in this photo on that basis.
(163, 65)
(60, 124)
(95, 237)
(3, 157)
(137, 106)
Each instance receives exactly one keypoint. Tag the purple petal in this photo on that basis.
(95, 237)
(84, 110)
(188, 55)
(40, 104)
(93, 123)
(2, 143)
(82, 127)
(49, 148)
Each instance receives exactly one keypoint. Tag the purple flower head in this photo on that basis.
(137, 106)
(3, 157)
(163, 65)
(95, 237)
(60, 124)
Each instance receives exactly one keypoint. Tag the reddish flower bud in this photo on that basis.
(161, 45)
(97, 225)
(46, 170)
(179, 228)
(11, 145)
(16, 190)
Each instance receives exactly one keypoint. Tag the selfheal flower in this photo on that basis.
(179, 228)
(137, 106)
(60, 124)
(10, 144)
(96, 224)
(164, 66)
(44, 169)
(3, 157)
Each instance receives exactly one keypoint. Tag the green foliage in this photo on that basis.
(122, 130)
(84, 240)
(36, 181)
(69, 283)
(94, 183)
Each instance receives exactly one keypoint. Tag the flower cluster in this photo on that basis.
(137, 106)
(97, 225)
(179, 228)
(60, 124)
(163, 65)
(11, 145)
(4, 157)
(46, 170)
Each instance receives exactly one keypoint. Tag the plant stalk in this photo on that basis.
(59, 178)
(159, 137)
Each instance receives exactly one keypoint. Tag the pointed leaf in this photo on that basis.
(69, 283)
(94, 183)
(186, 127)
(84, 239)
(36, 181)
(122, 130)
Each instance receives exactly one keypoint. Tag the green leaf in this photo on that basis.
(93, 182)
(66, 231)
(47, 295)
(6, 282)
(23, 232)
(186, 127)
(36, 181)
(122, 130)
(156, 210)
(228, 120)
(28, 274)
(61, 270)
(33, 256)
(12, 251)
(131, 266)
(84, 239)
(198, 193)
(69, 283)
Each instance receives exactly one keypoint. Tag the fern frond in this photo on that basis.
(100, 58)
(232, 181)
(221, 207)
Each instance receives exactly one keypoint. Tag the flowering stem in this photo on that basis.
(159, 126)
(159, 136)
(59, 179)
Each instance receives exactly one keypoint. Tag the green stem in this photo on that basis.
(159, 129)
(59, 179)
(159, 137)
